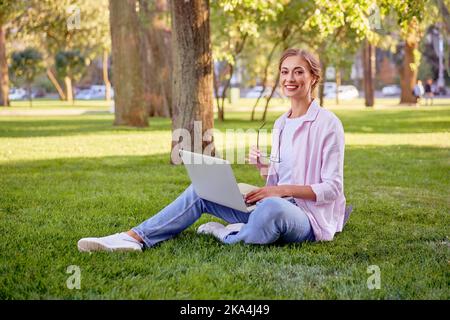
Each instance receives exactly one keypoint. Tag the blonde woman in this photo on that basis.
(306, 164)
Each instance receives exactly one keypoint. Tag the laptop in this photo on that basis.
(213, 180)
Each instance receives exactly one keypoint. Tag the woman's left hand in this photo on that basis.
(264, 192)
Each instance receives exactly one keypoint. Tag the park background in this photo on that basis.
(90, 95)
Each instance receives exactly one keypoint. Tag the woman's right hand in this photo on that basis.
(254, 158)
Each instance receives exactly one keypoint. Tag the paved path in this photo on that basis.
(49, 112)
(247, 109)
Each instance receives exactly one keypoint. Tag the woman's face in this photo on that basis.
(295, 78)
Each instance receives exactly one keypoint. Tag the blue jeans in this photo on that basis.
(273, 220)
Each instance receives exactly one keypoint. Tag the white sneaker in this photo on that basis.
(235, 227)
(218, 230)
(116, 242)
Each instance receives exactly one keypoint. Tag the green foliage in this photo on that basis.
(70, 64)
(412, 17)
(10, 9)
(64, 25)
(330, 16)
(407, 10)
(26, 65)
(334, 29)
(232, 20)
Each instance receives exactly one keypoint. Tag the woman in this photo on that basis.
(306, 164)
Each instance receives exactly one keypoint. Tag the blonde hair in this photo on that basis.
(313, 63)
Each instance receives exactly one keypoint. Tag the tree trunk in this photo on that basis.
(221, 111)
(239, 46)
(156, 57)
(369, 73)
(221, 107)
(30, 98)
(287, 32)
(285, 45)
(4, 78)
(408, 70)
(69, 89)
(321, 86)
(127, 67)
(105, 76)
(338, 84)
(192, 78)
(270, 97)
(55, 83)
(216, 84)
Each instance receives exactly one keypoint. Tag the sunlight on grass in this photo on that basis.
(85, 146)
(158, 142)
(90, 136)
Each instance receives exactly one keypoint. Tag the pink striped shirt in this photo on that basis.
(318, 150)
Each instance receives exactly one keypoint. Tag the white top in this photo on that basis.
(284, 168)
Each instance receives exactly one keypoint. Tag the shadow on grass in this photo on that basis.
(72, 125)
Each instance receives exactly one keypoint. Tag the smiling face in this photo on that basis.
(296, 79)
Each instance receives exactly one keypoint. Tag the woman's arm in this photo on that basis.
(296, 191)
(332, 170)
(331, 184)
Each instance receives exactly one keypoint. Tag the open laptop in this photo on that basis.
(213, 180)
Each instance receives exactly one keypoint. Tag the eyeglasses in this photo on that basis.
(276, 158)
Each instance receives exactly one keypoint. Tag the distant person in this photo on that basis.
(429, 92)
(308, 167)
(418, 91)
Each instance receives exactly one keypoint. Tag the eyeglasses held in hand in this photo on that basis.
(275, 158)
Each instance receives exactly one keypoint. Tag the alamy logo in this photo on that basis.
(374, 281)
(74, 281)
(74, 18)
(374, 17)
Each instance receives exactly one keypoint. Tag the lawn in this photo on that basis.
(67, 177)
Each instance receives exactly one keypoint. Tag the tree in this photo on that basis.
(4, 79)
(25, 66)
(127, 66)
(284, 30)
(341, 26)
(409, 67)
(9, 12)
(410, 14)
(70, 66)
(65, 25)
(192, 77)
(106, 75)
(368, 58)
(234, 24)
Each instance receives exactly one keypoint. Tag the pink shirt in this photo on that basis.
(318, 150)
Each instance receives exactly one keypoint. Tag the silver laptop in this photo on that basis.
(213, 180)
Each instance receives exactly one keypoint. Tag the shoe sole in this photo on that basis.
(92, 246)
(204, 229)
(235, 228)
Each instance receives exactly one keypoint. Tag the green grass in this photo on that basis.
(67, 177)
